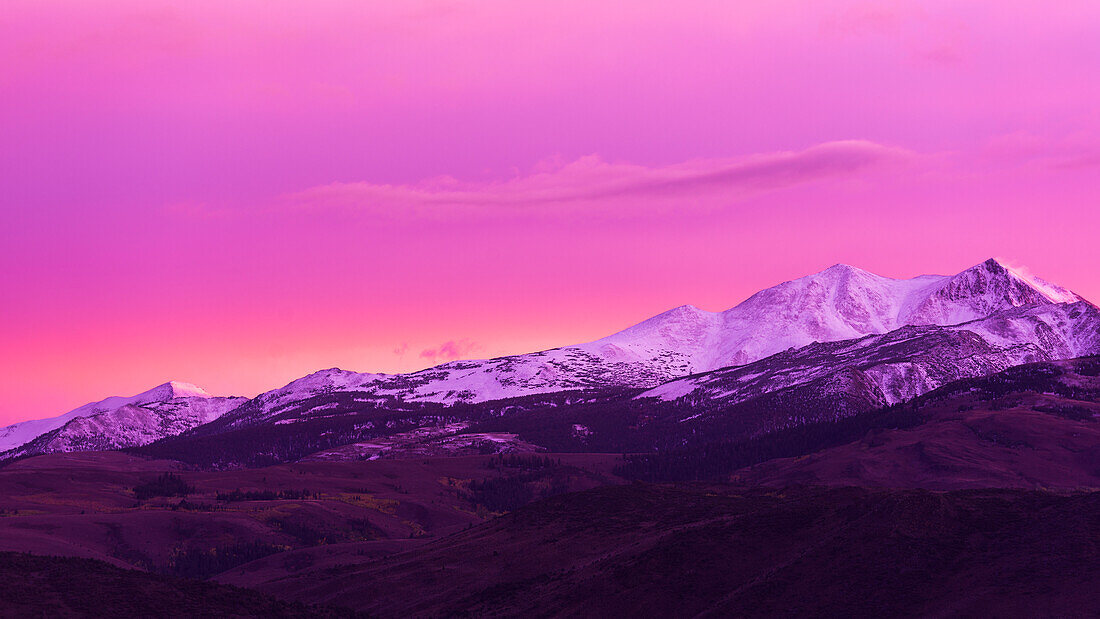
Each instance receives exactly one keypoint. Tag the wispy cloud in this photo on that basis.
(449, 351)
(592, 180)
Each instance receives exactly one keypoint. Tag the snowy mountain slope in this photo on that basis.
(117, 422)
(908, 361)
(19, 433)
(129, 425)
(839, 303)
(980, 291)
(844, 302)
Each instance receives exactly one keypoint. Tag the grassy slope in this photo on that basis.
(684, 550)
(1018, 447)
(82, 505)
(66, 587)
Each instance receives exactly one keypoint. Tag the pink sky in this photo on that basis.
(237, 194)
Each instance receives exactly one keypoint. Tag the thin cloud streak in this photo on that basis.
(591, 179)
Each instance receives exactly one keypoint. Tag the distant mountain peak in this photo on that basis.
(19, 433)
(176, 389)
(681, 311)
(840, 267)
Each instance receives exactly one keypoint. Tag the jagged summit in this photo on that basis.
(983, 289)
(844, 302)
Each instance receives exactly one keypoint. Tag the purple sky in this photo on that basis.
(237, 194)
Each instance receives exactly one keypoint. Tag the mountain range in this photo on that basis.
(839, 303)
(822, 346)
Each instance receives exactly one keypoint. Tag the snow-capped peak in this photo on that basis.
(842, 269)
(169, 390)
(331, 379)
(19, 433)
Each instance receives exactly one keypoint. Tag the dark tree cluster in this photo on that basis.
(191, 506)
(165, 485)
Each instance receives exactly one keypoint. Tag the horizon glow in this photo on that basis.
(238, 194)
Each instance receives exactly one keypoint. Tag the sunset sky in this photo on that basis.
(236, 194)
